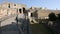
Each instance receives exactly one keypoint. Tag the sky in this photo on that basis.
(50, 4)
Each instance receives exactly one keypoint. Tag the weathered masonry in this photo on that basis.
(8, 8)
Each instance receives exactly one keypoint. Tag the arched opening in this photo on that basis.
(20, 11)
(24, 11)
(9, 5)
(31, 14)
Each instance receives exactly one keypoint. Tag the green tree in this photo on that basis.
(58, 16)
(52, 17)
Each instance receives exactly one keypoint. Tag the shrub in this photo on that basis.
(52, 16)
(58, 16)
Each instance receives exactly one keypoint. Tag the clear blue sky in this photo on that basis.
(51, 4)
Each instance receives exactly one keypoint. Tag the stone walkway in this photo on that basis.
(10, 29)
(9, 26)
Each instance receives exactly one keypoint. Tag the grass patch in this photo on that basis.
(39, 29)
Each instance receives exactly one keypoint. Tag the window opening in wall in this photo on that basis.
(20, 11)
(14, 4)
(9, 6)
(24, 10)
(31, 14)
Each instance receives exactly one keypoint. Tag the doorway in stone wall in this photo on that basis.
(20, 11)
(24, 10)
(31, 14)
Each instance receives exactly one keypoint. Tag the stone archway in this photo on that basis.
(20, 11)
(24, 10)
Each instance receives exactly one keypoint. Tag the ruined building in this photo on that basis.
(8, 8)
